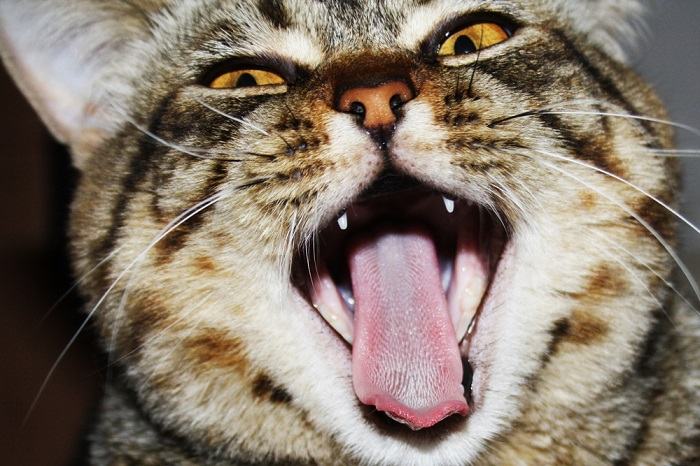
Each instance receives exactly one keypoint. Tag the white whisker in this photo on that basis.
(641, 281)
(197, 153)
(186, 215)
(510, 196)
(626, 182)
(667, 283)
(78, 282)
(289, 244)
(496, 212)
(189, 213)
(232, 118)
(690, 153)
(182, 317)
(682, 266)
(682, 126)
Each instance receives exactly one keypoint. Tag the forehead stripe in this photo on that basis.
(275, 12)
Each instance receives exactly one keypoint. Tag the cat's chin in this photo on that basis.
(401, 275)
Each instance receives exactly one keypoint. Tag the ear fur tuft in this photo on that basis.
(60, 52)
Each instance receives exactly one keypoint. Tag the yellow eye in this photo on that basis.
(246, 78)
(473, 38)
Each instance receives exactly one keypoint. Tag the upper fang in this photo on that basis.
(449, 204)
(343, 221)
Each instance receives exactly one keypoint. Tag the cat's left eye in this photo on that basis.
(473, 38)
(245, 78)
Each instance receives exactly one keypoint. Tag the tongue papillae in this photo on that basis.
(405, 356)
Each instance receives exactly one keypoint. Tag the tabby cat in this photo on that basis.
(389, 232)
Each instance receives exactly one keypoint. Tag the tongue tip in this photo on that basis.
(418, 419)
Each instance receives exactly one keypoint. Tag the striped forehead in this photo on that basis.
(353, 24)
(310, 31)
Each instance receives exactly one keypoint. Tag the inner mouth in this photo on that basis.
(401, 275)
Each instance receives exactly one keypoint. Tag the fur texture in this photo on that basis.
(186, 223)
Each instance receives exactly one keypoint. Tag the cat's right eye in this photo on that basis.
(239, 78)
(473, 38)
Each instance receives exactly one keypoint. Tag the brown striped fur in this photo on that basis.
(584, 356)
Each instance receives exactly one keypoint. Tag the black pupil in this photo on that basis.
(246, 80)
(464, 45)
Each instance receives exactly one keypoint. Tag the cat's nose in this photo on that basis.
(376, 106)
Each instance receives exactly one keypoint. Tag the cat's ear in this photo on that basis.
(611, 24)
(58, 52)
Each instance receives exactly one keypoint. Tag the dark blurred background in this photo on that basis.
(36, 181)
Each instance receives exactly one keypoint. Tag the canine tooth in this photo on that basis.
(343, 221)
(340, 323)
(469, 298)
(346, 294)
(470, 328)
(449, 204)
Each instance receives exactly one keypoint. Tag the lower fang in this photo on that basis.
(449, 204)
(343, 221)
(337, 320)
(470, 328)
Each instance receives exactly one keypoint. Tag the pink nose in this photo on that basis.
(376, 105)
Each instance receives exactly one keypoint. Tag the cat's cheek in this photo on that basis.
(183, 375)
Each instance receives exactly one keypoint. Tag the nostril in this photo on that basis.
(396, 102)
(357, 108)
(375, 106)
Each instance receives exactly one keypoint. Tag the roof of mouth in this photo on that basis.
(390, 182)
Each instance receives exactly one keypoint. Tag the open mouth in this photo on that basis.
(401, 276)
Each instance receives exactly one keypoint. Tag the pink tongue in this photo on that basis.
(405, 357)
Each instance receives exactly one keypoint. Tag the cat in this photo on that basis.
(391, 232)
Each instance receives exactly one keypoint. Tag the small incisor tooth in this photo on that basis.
(343, 221)
(449, 204)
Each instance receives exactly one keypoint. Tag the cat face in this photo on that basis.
(229, 226)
